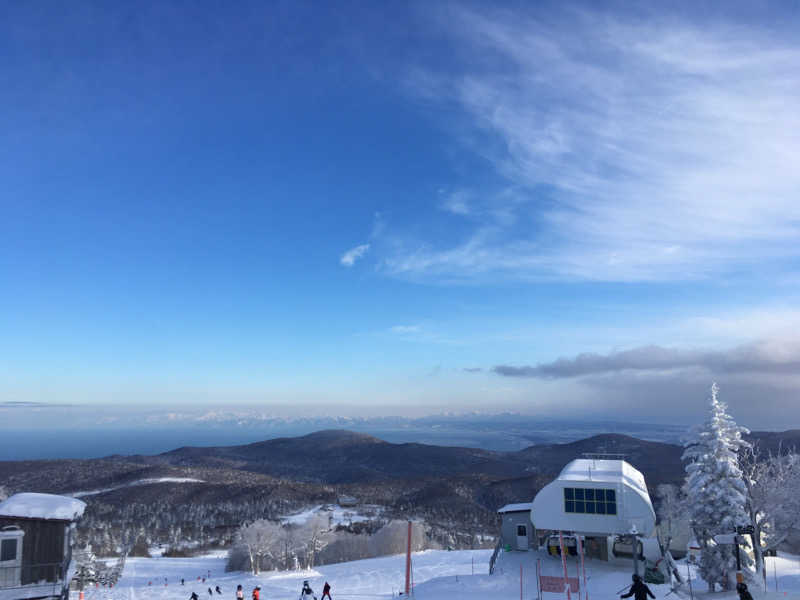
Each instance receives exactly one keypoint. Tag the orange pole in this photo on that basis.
(408, 561)
(564, 564)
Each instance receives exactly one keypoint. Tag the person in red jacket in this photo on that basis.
(326, 591)
(257, 592)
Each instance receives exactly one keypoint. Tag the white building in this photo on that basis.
(600, 500)
(596, 497)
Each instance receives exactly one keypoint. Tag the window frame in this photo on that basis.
(576, 500)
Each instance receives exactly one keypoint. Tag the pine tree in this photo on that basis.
(716, 492)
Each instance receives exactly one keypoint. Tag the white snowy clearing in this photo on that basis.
(337, 514)
(137, 482)
(438, 575)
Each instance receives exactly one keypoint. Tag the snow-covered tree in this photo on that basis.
(673, 513)
(392, 538)
(716, 492)
(261, 540)
(316, 534)
(773, 498)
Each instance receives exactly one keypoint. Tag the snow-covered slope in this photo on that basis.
(438, 575)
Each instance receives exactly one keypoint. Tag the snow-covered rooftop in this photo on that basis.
(603, 471)
(521, 507)
(42, 506)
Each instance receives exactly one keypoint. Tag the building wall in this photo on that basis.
(43, 554)
(509, 525)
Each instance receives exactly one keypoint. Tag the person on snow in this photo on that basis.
(257, 592)
(210, 592)
(639, 589)
(239, 592)
(216, 589)
(744, 594)
(307, 592)
(193, 596)
(183, 581)
(326, 591)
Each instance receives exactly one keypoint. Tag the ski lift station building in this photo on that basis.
(596, 496)
(36, 536)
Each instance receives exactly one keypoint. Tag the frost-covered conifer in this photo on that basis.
(716, 492)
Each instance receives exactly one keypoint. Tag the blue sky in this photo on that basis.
(558, 209)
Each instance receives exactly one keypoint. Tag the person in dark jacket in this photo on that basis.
(218, 590)
(193, 596)
(744, 594)
(326, 591)
(307, 592)
(639, 589)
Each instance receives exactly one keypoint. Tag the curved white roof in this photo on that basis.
(603, 471)
(42, 506)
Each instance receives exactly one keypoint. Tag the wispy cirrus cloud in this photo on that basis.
(349, 258)
(647, 151)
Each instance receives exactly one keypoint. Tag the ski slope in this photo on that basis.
(438, 575)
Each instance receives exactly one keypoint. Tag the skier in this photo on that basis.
(193, 596)
(326, 591)
(307, 592)
(216, 589)
(741, 588)
(239, 592)
(257, 592)
(182, 581)
(210, 592)
(639, 589)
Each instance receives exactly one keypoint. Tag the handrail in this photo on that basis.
(494, 556)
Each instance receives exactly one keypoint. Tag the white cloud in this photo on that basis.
(649, 151)
(349, 258)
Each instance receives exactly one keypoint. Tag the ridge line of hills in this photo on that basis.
(201, 495)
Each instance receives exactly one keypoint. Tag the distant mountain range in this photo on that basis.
(154, 432)
(452, 488)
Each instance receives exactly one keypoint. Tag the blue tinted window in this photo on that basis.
(590, 501)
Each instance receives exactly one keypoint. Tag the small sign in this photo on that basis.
(725, 538)
(548, 583)
(745, 530)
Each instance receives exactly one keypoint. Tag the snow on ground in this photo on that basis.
(337, 514)
(438, 575)
(31, 505)
(137, 482)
